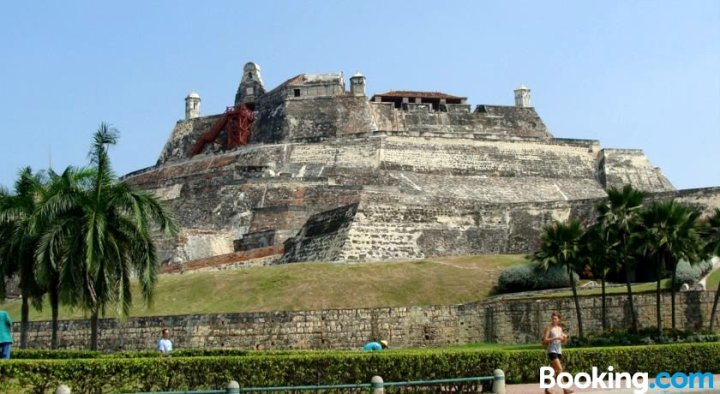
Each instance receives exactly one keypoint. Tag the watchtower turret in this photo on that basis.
(192, 105)
(251, 85)
(357, 85)
(522, 96)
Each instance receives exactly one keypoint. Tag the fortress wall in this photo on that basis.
(349, 153)
(322, 237)
(497, 120)
(389, 227)
(271, 123)
(495, 320)
(495, 158)
(212, 218)
(619, 167)
(322, 117)
(246, 162)
(491, 189)
(708, 198)
(287, 216)
(183, 136)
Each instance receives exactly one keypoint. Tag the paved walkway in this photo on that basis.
(534, 388)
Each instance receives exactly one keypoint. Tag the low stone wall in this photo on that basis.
(503, 320)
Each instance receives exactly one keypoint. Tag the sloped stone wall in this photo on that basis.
(405, 178)
(322, 237)
(402, 230)
(619, 167)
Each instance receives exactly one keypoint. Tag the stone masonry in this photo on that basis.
(413, 176)
(495, 320)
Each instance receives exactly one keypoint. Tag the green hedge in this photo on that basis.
(302, 368)
(35, 354)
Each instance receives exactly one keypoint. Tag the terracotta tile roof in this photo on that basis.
(410, 93)
(292, 81)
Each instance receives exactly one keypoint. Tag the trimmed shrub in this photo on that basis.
(646, 336)
(111, 375)
(532, 277)
(690, 274)
(45, 354)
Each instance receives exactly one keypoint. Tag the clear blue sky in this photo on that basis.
(631, 74)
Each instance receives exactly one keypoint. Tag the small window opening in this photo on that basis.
(296, 92)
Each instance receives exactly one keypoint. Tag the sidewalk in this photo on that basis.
(534, 388)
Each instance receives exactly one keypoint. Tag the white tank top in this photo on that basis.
(555, 346)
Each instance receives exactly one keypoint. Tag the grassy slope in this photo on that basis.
(311, 286)
(712, 280)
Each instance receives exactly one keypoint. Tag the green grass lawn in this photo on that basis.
(713, 280)
(313, 286)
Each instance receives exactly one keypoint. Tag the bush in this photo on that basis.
(110, 375)
(532, 277)
(646, 336)
(45, 354)
(690, 274)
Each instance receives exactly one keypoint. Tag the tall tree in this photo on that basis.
(105, 239)
(594, 251)
(59, 203)
(669, 232)
(711, 235)
(560, 245)
(18, 242)
(620, 216)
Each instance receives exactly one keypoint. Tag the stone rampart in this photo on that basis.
(619, 167)
(707, 198)
(387, 227)
(183, 137)
(491, 158)
(524, 182)
(495, 320)
(499, 121)
(322, 237)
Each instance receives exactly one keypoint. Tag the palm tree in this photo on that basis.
(594, 251)
(670, 233)
(104, 237)
(49, 221)
(560, 245)
(620, 216)
(711, 234)
(18, 242)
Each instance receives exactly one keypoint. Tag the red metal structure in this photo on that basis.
(236, 121)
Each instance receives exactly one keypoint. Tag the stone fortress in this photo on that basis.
(313, 171)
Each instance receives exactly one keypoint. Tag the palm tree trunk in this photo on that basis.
(603, 309)
(94, 329)
(715, 304)
(633, 315)
(54, 306)
(657, 304)
(577, 303)
(672, 299)
(24, 318)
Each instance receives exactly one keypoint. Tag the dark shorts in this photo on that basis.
(555, 356)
